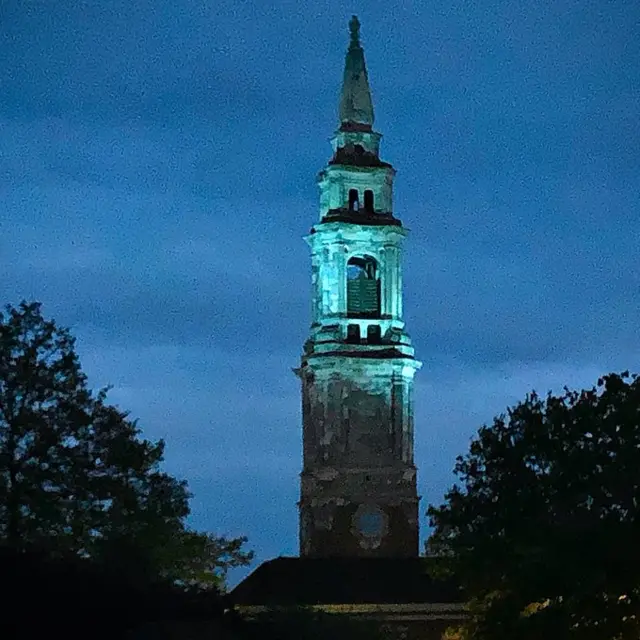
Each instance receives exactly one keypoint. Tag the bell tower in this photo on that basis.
(358, 483)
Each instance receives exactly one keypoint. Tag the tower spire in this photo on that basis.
(356, 107)
(358, 491)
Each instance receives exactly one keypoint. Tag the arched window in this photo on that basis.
(354, 204)
(368, 201)
(374, 334)
(353, 333)
(363, 287)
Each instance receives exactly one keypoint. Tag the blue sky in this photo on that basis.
(157, 174)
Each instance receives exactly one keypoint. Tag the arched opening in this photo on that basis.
(354, 204)
(374, 334)
(353, 333)
(368, 201)
(363, 287)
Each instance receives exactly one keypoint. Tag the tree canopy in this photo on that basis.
(543, 528)
(77, 478)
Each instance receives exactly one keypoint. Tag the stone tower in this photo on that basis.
(358, 483)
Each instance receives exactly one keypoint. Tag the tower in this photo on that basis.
(358, 483)
(358, 504)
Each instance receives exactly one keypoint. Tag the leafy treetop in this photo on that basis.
(543, 528)
(75, 476)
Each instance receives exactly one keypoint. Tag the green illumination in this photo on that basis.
(358, 484)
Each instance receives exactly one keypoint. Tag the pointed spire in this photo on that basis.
(356, 106)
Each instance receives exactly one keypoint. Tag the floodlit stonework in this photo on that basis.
(358, 484)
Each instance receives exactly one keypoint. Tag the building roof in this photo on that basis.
(314, 581)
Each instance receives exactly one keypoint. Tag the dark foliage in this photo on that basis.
(69, 597)
(77, 478)
(543, 531)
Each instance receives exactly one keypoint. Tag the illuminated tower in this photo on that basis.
(358, 483)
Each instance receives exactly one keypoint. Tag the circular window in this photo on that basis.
(370, 522)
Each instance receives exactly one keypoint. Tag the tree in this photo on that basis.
(543, 530)
(75, 476)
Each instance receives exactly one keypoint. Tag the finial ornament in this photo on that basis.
(354, 28)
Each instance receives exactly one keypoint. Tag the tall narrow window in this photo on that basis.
(353, 333)
(368, 201)
(363, 287)
(354, 204)
(374, 335)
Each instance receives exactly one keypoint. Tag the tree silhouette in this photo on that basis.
(543, 530)
(75, 476)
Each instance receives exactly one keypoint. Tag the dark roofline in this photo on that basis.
(360, 217)
(316, 581)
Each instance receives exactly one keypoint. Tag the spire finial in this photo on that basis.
(355, 100)
(354, 29)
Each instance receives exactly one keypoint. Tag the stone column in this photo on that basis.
(340, 270)
(398, 271)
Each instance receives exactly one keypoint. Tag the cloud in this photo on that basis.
(232, 427)
(105, 247)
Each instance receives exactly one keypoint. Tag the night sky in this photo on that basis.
(157, 174)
